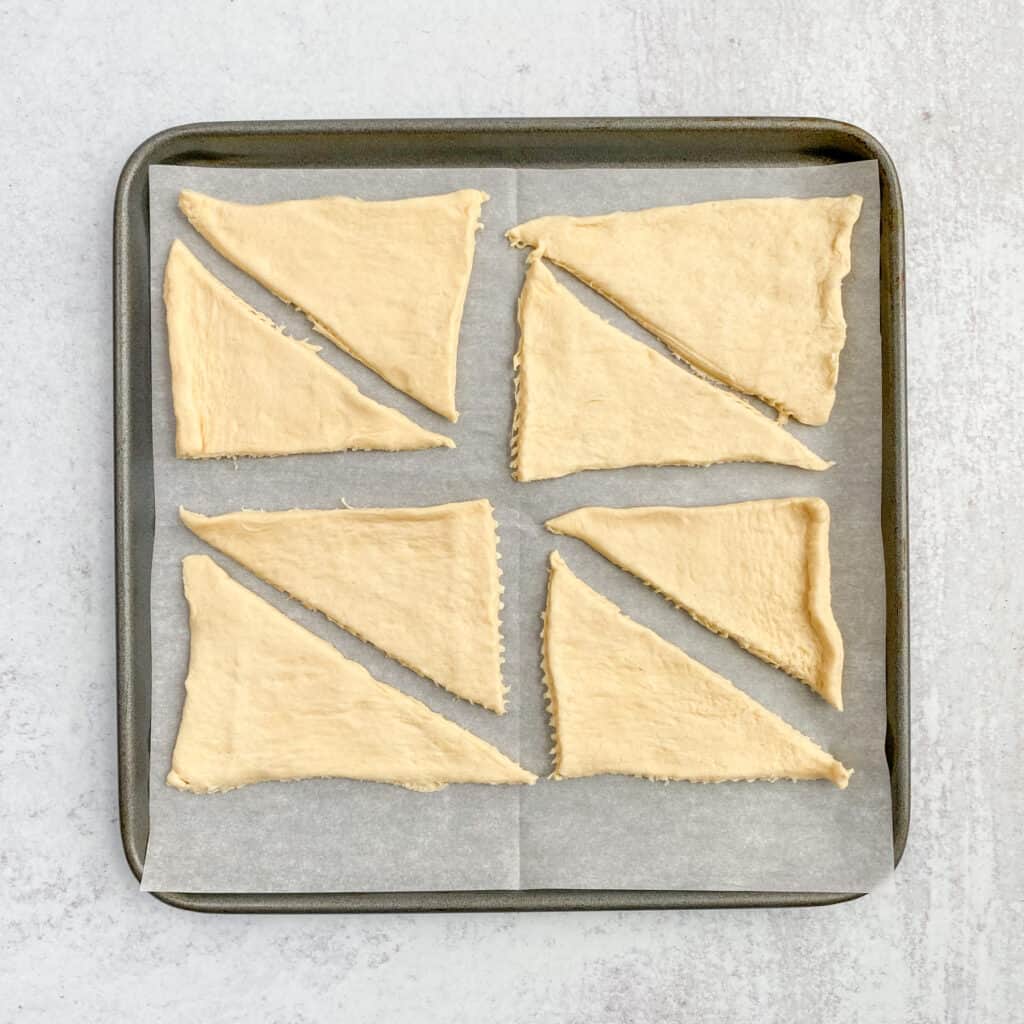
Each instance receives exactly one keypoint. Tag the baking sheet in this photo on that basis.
(336, 835)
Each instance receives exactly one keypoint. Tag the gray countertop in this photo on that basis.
(938, 83)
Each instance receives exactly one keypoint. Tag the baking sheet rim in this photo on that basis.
(183, 144)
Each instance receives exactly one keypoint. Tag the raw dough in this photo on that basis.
(626, 702)
(746, 290)
(590, 397)
(421, 584)
(243, 387)
(756, 571)
(386, 281)
(266, 699)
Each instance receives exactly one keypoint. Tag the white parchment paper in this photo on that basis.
(337, 835)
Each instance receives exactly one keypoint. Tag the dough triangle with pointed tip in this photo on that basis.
(420, 584)
(756, 571)
(385, 281)
(746, 290)
(267, 699)
(626, 702)
(589, 396)
(243, 387)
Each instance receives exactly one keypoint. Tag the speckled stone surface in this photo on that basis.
(938, 83)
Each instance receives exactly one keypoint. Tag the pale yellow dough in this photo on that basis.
(589, 396)
(266, 699)
(385, 281)
(746, 290)
(243, 387)
(756, 571)
(626, 702)
(421, 584)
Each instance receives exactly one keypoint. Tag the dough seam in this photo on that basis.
(389, 654)
(211, 726)
(819, 605)
(550, 697)
(465, 203)
(519, 384)
(823, 293)
(215, 337)
(538, 279)
(839, 775)
(703, 368)
(699, 619)
(500, 608)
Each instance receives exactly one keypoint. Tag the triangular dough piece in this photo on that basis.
(385, 281)
(421, 584)
(756, 571)
(626, 702)
(244, 387)
(746, 290)
(589, 396)
(267, 699)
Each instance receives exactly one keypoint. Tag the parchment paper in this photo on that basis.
(336, 835)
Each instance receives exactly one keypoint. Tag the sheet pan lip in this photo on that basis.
(495, 901)
(171, 145)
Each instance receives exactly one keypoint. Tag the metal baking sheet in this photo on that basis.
(675, 897)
